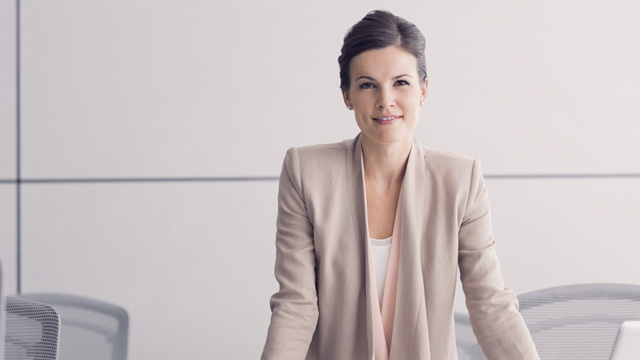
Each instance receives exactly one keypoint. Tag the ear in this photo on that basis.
(347, 99)
(424, 89)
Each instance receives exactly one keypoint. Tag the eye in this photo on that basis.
(367, 85)
(401, 83)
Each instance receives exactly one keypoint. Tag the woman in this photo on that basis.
(371, 231)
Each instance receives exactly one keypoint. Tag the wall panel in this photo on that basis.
(536, 87)
(192, 263)
(7, 90)
(120, 88)
(8, 238)
(568, 231)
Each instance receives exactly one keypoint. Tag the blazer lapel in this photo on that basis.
(355, 186)
(410, 310)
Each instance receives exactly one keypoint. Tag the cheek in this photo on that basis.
(413, 100)
(411, 104)
(360, 98)
(360, 118)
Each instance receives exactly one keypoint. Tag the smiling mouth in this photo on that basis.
(387, 120)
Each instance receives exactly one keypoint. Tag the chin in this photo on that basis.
(392, 139)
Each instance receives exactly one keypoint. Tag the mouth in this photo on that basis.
(387, 120)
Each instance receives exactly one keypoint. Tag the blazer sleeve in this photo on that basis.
(295, 306)
(493, 309)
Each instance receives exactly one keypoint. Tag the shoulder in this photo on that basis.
(320, 151)
(456, 177)
(451, 166)
(315, 167)
(321, 156)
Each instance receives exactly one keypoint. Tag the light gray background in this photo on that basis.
(129, 89)
(7, 90)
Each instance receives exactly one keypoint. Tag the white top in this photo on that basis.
(380, 249)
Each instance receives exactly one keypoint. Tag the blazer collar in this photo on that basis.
(355, 188)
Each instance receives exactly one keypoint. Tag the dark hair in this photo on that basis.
(379, 29)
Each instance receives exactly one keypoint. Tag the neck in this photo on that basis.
(384, 164)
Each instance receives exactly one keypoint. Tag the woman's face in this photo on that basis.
(385, 93)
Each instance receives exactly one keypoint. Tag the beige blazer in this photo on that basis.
(323, 308)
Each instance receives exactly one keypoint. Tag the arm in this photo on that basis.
(295, 306)
(493, 310)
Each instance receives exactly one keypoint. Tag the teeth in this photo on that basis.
(386, 118)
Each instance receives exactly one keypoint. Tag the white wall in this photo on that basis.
(8, 247)
(8, 144)
(7, 89)
(126, 89)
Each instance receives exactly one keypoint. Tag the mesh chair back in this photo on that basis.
(31, 330)
(578, 321)
(90, 329)
(466, 342)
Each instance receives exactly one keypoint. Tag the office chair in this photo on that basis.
(466, 342)
(90, 329)
(578, 321)
(31, 331)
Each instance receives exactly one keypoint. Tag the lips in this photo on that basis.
(387, 120)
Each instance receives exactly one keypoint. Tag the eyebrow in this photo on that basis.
(372, 79)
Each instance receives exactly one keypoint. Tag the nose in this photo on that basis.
(385, 98)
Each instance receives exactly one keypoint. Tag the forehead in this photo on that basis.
(384, 63)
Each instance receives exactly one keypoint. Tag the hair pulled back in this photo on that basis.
(379, 29)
